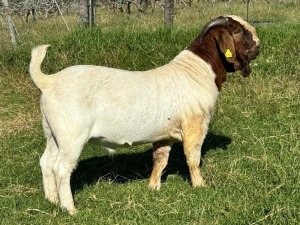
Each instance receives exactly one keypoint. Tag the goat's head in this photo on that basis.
(230, 41)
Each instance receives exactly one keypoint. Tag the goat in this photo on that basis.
(172, 103)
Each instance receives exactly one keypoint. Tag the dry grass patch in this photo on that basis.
(20, 122)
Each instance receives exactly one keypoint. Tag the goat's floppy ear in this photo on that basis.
(226, 46)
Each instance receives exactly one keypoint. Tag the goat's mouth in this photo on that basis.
(254, 53)
(246, 72)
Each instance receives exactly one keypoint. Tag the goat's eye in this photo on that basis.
(253, 44)
(248, 42)
(237, 31)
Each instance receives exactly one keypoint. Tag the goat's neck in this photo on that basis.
(209, 53)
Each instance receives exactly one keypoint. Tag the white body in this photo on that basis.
(122, 108)
(119, 107)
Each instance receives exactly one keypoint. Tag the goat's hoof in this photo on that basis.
(199, 184)
(73, 212)
(154, 187)
(53, 199)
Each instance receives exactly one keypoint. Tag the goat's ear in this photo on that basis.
(226, 46)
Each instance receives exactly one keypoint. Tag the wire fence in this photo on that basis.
(46, 8)
(23, 10)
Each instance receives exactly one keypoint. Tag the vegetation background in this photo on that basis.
(250, 158)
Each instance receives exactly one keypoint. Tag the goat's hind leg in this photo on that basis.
(68, 155)
(161, 151)
(47, 162)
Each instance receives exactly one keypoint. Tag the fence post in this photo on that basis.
(91, 13)
(248, 3)
(11, 28)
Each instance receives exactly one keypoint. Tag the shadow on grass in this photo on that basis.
(123, 168)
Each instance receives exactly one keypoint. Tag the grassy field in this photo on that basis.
(250, 158)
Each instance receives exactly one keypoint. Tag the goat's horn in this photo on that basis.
(220, 21)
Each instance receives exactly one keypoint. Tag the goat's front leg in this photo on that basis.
(161, 151)
(194, 132)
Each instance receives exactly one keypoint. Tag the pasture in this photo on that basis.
(251, 155)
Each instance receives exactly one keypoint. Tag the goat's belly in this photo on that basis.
(112, 143)
(125, 138)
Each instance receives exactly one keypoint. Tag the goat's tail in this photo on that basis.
(40, 79)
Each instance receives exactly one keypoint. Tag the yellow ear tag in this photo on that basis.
(228, 54)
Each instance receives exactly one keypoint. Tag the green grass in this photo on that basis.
(250, 156)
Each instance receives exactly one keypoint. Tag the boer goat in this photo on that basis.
(172, 103)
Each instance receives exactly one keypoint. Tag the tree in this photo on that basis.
(169, 13)
(86, 13)
(10, 23)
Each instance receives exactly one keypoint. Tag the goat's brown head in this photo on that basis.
(228, 44)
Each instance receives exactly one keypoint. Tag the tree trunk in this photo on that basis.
(169, 13)
(87, 13)
(11, 28)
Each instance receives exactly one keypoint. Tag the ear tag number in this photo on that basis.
(228, 54)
